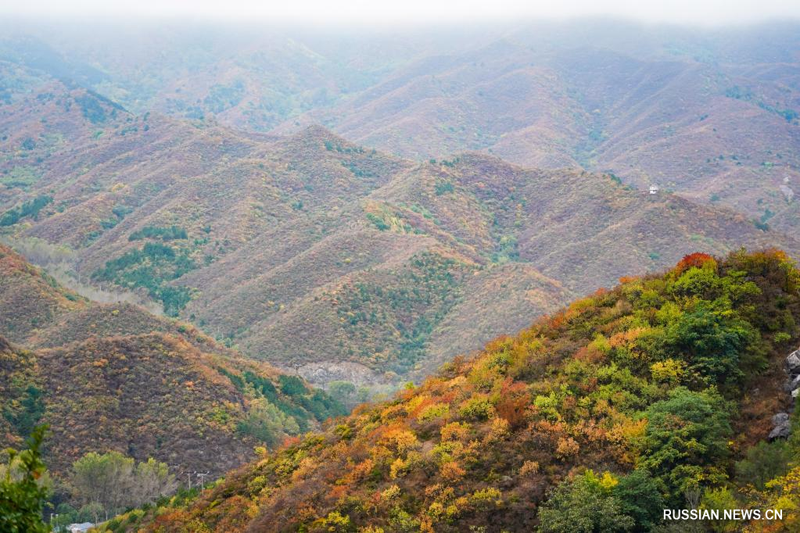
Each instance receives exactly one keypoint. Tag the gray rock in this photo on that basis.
(793, 362)
(780, 418)
(781, 432)
(792, 384)
(323, 372)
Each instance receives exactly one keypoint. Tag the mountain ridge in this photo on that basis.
(253, 237)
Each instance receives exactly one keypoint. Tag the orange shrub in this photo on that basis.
(697, 260)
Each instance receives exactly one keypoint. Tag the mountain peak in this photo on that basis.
(316, 132)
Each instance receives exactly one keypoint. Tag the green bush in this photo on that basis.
(292, 385)
(29, 410)
(639, 496)
(22, 496)
(584, 504)
(152, 268)
(28, 209)
(170, 233)
(477, 408)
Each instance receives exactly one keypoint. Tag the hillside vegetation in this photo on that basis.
(116, 378)
(713, 115)
(655, 394)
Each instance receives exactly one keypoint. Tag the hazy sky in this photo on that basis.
(705, 12)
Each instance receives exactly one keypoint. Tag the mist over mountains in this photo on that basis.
(707, 112)
(277, 228)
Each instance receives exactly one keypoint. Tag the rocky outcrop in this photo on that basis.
(793, 386)
(322, 373)
(781, 422)
(781, 426)
(793, 363)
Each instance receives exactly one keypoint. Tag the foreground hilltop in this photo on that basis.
(594, 419)
(117, 378)
(382, 268)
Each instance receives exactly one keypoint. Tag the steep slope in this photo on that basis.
(607, 412)
(150, 395)
(16, 368)
(555, 220)
(156, 395)
(379, 287)
(31, 299)
(114, 377)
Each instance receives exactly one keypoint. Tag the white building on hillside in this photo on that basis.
(80, 528)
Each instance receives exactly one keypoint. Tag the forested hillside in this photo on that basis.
(115, 378)
(656, 394)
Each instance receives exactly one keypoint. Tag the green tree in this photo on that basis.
(686, 437)
(111, 482)
(764, 462)
(292, 385)
(584, 504)
(711, 342)
(32, 405)
(640, 498)
(343, 391)
(104, 479)
(267, 423)
(22, 495)
(721, 499)
(152, 480)
(700, 282)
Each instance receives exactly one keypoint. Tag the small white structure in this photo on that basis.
(80, 528)
(787, 191)
(654, 189)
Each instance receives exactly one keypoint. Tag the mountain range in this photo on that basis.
(322, 256)
(713, 117)
(201, 223)
(709, 113)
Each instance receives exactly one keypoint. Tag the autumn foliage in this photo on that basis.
(601, 415)
(696, 260)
